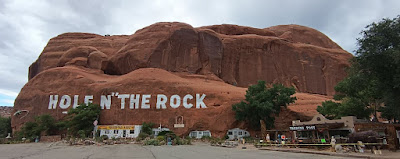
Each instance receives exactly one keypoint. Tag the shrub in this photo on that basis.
(206, 138)
(5, 126)
(226, 137)
(104, 137)
(177, 141)
(167, 133)
(215, 140)
(147, 128)
(187, 141)
(180, 141)
(161, 138)
(154, 142)
(142, 136)
(249, 139)
(82, 134)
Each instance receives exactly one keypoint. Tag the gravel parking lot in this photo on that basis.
(199, 150)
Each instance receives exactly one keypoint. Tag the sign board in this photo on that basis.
(116, 127)
(179, 125)
(302, 128)
(283, 137)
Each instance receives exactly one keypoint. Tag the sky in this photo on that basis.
(26, 25)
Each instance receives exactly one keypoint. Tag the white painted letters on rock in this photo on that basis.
(65, 101)
(145, 101)
(88, 99)
(161, 100)
(105, 102)
(53, 101)
(199, 101)
(136, 101)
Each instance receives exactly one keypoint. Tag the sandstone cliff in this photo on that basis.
(293, 55)
(177, 59)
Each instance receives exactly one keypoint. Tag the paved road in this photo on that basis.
(198, 151)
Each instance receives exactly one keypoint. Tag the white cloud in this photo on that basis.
(7, 102)
(8, 93)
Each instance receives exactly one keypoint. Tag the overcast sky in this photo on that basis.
(27, 25)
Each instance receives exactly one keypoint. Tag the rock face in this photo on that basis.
(5, 111)
(220, 61)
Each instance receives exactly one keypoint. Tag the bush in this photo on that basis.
(177, 141)
(215, 140)
(163, 142)
(167, 133)
(104, 137)
(187, 141)
(206, 138)
(5, 126)
(250, 139)
(147, 128)
(154, 142)
(161, 138)
(46, 124)
(101, 138)
(142, 136)
(180, 141)
(82, 134)
(31, 130)
(226, 137)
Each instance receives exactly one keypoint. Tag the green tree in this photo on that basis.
(81, 119)
(262, 103)
(46, 123)
(43, 123)
(379, 58)
(358, 94)
(30, 130)
(330, 109)
(5, 126)
(147, 128)
(373, 82)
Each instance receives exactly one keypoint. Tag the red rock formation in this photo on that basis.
(5, 111)
(293, 55)
(213, 60)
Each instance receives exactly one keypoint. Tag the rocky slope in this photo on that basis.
(219, 61)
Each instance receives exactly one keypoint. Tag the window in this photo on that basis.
(132, 131)
(106, 131)
(115, 131)
(206, 133)
(229, 132)
(240, 132)
(304, 134)
(193, 134)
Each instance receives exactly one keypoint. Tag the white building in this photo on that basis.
(237, 133)
(119, 131)
(200, 134)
